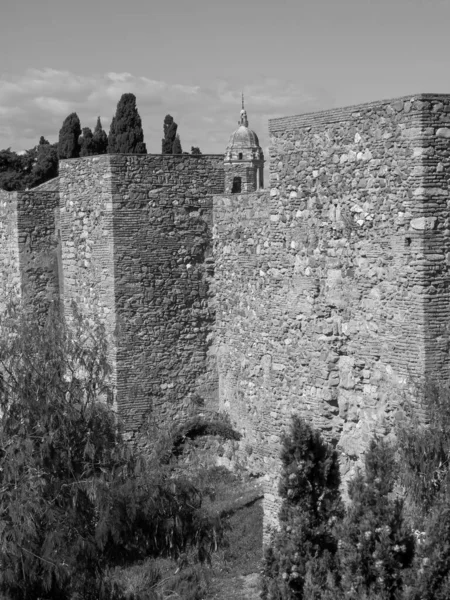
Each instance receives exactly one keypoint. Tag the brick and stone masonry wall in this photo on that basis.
(29, 247)
(139, 235)
(87, 252)
(39, 247)
(9, 248)
(332, 290)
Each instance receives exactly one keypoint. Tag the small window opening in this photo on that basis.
(240, 155)
(237, 185)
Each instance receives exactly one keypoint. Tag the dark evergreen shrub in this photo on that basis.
(86, 141)
(176, 148)
(376, 545)
(126, 135)
(424, 451)
(170, 132)
(300, 561)
(195, 150)
(100, 139)
(68, 144)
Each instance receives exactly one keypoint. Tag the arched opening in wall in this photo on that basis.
(237, 185)
(240, 155)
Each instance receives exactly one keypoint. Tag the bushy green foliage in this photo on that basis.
(46, 165)
(17, 170)
(126, 135)
(74, 498)
(195, 150)
(68, 144)
(100, 139)
(376, 545)
(304, 549)
(27, 170)
(170, 132)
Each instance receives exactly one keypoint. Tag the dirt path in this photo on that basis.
(243, 587)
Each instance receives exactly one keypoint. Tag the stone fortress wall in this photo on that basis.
(29, 247)
(332, 288)
(323, 295)
(136, 251)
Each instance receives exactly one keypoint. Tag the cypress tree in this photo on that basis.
(170, 132)
(69, 146)
(176, 148)
(100, 139)
(43, 141)
(300, 561)
(126, 135)
(86, 140)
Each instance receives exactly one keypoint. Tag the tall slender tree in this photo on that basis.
(69, 145)
(176, 148)
(100, 139)
(170, 133)
(86, 141)
(126, 135)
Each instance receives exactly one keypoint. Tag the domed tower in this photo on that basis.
(244, 159)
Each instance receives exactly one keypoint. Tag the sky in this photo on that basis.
(193, 58)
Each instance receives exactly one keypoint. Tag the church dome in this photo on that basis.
(244, 143)
(243, 137)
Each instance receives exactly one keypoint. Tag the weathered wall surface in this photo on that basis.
(87, 243)
(39, 250)
(9, 248)
(28, 247)
(248, 174)
(162, 232)
(333, 290)
(136, 237)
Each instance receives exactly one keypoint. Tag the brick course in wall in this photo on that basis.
(332, 289)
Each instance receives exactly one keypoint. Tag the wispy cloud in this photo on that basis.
(36, 103)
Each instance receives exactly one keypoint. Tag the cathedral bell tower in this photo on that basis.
(244, 159)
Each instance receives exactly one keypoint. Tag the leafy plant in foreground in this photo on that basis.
(74, 498)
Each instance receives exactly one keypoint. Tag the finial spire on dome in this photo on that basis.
(244, 120)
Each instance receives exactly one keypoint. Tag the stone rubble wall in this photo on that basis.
(39, 248)
(137, 246)
(10, 288)
(29, 248)
(332, 289)
(87, 244)
(162, 239)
